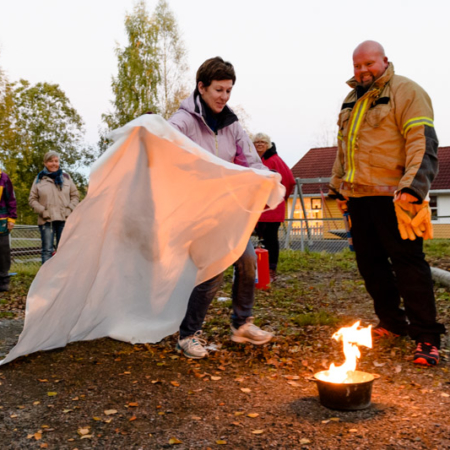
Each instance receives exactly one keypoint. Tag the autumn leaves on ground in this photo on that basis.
(107, 394)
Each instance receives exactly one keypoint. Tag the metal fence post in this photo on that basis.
(289, 228)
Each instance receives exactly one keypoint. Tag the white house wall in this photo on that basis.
(443, 207)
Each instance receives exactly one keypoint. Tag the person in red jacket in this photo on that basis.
(270, 221)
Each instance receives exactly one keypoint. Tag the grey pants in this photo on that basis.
(5, 261)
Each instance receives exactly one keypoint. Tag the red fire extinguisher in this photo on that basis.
(262, 269)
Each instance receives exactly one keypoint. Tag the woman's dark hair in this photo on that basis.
(215, 69)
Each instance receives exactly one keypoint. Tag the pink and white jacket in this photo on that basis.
(230, 142)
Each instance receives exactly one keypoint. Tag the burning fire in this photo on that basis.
(351, 337)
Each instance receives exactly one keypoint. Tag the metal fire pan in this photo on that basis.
(346, 396)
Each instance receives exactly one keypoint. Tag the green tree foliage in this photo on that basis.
(35, 119)
(135, 87)
(150, 69)
(172, 59)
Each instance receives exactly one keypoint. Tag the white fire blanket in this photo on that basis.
(161, 216)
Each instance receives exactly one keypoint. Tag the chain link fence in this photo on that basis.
(327, 235)
(324, 235)
(25, 246)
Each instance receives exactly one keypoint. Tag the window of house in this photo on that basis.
(433, 207)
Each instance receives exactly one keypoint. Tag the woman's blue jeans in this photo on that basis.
(243, 294)
(50, 231)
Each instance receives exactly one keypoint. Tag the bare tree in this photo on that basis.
(172, 57)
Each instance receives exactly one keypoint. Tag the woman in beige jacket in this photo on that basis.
(53, 196)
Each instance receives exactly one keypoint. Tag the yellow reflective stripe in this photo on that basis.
(416, 121)
(340, 136)
(354, 127)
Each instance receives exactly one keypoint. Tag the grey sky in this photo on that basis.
(292, 57)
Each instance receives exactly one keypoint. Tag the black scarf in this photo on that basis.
(57, 177)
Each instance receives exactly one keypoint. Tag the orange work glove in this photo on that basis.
(413, 220)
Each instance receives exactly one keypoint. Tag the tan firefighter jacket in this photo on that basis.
(386, 140)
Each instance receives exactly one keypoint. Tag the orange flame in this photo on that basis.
(351, 337)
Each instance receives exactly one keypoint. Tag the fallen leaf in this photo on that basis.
(291, 377)
(377, 364)
(221, 442)
(305, 363)
(174, 441)
(110, 412)
(155, 381)
(29, 436)
(97, 418)
(133, 404)
(196, 418)
(246, 390)
(36, 403)
(257, 431)
(65, 411)
(38, 436)
(398, 369)
(43, 381)
(253, 415)
(44, 445)
(132, 418)
(239, 380)
(87, 436)
(13, 416)
(353, 430)
(82, 431)
(52, 394)
(237, 424)
(239, 413)
(445, 395)
(216, 378)
(107, 421)
(325, 421)
(175, 383)
(294, 383)
(304, 441)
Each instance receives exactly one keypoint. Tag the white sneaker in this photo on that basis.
(249, 332)
(192, 346)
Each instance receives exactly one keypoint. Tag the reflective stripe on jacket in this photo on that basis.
(386, 140)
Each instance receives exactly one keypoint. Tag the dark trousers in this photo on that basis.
(268, 234)
(49, 232)
(5, 261)
(243, 293)
(392, 269)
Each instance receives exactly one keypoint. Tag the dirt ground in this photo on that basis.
(107, 394)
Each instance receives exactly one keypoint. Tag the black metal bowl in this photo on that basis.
(346, 396)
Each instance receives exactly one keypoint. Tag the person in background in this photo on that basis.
(385, 163)
(206, 119)
(270, 221)
(53, 196)
(8, 216)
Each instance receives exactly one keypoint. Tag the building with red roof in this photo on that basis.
(317, 164)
